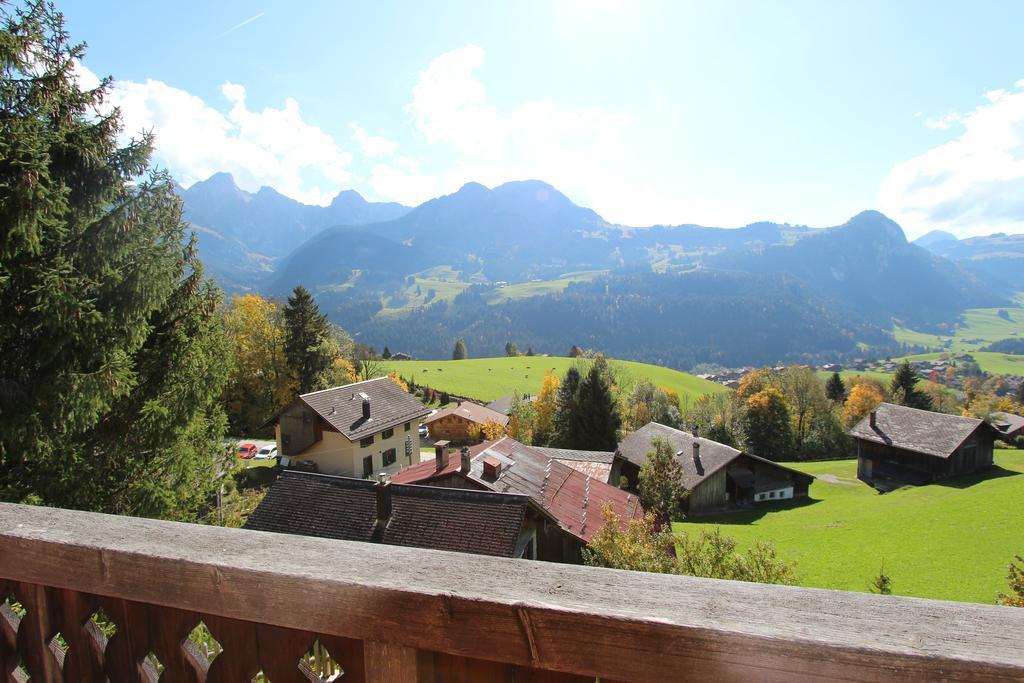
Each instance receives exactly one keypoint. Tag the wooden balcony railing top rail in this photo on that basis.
(391, 614)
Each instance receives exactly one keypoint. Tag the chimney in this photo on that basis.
(872, 418)
(464, 465)
(492, 467)
(366, 407)
(383, 491)
(696, 453)
(440, 455)
(696, 430)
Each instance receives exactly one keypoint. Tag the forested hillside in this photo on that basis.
(679, 295)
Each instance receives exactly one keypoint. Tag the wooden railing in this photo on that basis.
(88, 597)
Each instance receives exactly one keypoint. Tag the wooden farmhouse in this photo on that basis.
(572, 500)
(458, 423)
(897, 445)
(460, 520)
(717, 476)
(355, 430)
(1010, 426)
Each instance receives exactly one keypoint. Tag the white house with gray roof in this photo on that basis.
(355, 430)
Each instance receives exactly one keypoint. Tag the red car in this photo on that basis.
(246, 450)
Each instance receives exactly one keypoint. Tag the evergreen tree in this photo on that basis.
(661, 482)
(1020, 393)
(460, 353)
(904, 391)
(511, 350)
(835, 389)
(564, 425)
(529, 351)
(597, 414)
(113, 355)
(306, 341)
(386, 354)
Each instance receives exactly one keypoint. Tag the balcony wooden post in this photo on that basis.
(387, 662)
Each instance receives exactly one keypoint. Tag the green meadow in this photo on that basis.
(947, 541)
(486, 379)
(976, 328)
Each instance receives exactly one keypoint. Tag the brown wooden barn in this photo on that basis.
(897, 445)
(717, 476)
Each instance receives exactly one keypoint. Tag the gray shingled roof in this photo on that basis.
(1007, 423)
(342, 407)
(327, 506)
(572, 454)
(920, 431)
(713, 455)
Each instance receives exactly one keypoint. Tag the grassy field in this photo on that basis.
(989, 361)
(948, 541)
(525, 290)
(489, 378)
(976, 328)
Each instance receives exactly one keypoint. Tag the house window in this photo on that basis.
(407, 426)
(387, 433)
(389, 457)
(772, 494)
(368, 441)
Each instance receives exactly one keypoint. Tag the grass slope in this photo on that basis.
(489, 378)
(949, 541)
(977, 327)
(989, 361)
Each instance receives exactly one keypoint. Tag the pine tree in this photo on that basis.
(306, 341)
(597, 414)
(1020, 393)
(511, 350)
(904, 391)
(113, 354)
(661, 482)
(564, 424)
(459, 352)
(835, 389)
(386, 354)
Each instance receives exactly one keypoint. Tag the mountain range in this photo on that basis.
(521, 262)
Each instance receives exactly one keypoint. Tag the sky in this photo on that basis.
(716, 113)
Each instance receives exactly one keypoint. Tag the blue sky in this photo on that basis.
(714, 113)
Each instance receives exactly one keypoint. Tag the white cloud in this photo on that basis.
(971, 185)
(579, 151)
(274, 147)
(373, 146)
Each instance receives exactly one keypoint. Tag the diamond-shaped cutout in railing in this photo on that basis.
(104, 623)
(59, 647)
(204, 642)
(153, 664)
(260, 677)
(320, 665)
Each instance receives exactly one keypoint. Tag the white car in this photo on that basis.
(266, 453)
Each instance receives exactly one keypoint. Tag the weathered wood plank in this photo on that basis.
(395, 663)
(582, 620)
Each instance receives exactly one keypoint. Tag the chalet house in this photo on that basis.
(1009, 426)
(572, 500)
(356, 430)
(456, 423)
(717, 476)
(897, 445)
(460, 520)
